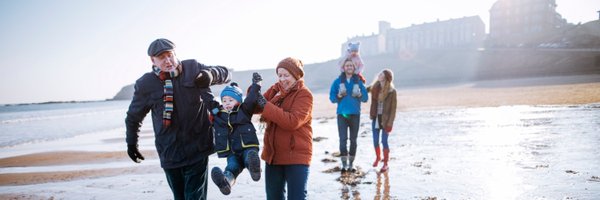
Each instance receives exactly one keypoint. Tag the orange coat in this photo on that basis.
(288, 136)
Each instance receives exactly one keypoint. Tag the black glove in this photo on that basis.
(256, 78)
(134, 153)
(204, 79)
(260, 100)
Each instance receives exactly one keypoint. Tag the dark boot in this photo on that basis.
(377, 156)
(386, 157)
(253, 165)
(344, 163)
(223, 180)
(351, 165)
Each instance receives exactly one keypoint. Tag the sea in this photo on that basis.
(34, 123)
(30, 123)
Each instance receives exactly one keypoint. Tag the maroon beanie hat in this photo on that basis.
(292, 65)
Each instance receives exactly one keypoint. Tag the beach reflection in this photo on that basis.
(497, 142)
(350, 192)
(385, 194)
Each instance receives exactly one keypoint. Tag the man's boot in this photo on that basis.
(351, 166)
(386, 157)
(344, 163)
(377, 156)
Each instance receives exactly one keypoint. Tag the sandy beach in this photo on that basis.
(80, 172)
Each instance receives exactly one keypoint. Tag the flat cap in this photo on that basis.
(160, 45)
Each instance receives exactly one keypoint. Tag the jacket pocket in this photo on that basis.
(157, 102)
(192, 92)
(248, 136)
(157, 105)
(166, 146)
(221, 141)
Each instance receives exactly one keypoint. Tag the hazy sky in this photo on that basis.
(63, 50)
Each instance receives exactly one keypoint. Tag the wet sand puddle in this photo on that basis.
(508, 152)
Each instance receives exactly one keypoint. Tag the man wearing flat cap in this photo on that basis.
(174, 92)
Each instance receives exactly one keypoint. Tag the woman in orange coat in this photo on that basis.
(287, 148)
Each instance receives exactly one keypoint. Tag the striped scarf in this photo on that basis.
(167, 77)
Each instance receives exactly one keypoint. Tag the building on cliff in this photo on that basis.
(466, 32)
(515, 23)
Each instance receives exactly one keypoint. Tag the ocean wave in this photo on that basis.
(61, 116)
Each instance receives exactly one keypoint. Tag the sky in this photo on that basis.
(65, 50)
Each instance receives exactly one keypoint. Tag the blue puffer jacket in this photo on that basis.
(348, 105)
(234, 130)
(189, 138)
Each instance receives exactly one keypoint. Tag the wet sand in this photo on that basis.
(570, 90)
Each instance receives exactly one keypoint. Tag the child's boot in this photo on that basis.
(386, 157)
(253, 164)
(342, 90)
(356, 91)
(223, 180)
(377, 156)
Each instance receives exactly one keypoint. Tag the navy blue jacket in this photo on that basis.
(189, 138)
(234, 130)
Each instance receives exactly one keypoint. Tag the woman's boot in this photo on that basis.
(386, 157)
(377, 156)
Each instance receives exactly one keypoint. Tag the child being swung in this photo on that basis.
(235, 135)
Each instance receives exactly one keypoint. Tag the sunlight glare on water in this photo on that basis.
(500, 127)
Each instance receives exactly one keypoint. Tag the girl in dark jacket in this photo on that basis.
(235, 135)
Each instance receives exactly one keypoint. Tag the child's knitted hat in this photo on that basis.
(233, 91)
(353, 46)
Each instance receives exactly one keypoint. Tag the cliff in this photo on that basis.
(579, 53)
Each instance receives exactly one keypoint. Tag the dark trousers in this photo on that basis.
(188, 182)
(346, 122)
(276, 177)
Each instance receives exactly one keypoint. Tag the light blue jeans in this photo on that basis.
(384, 136)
